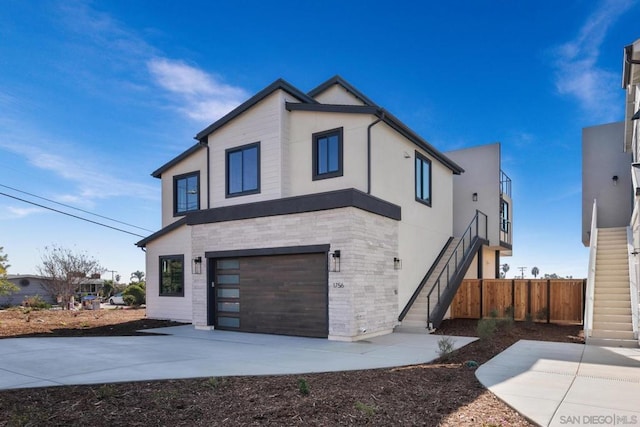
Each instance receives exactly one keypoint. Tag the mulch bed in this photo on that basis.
(444, 392)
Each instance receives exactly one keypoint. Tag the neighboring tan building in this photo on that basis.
(320, 214)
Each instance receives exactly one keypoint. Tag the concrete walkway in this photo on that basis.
(190, 353)
(559, 384)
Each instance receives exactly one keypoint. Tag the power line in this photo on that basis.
(71, 215)
(73, 207)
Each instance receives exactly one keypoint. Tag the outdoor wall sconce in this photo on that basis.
(615, 179)
(397, 263)
(475, 197)
(196, 266)
(335, 260)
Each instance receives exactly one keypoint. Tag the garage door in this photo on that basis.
(277, 294)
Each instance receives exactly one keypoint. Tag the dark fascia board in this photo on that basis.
(179, 223)
(404, 130)
(158, 172)
(626, 65)
(332, 108)
(298, 204)
(337, 80)
(278, 84)
(636, 116)
(285, 250)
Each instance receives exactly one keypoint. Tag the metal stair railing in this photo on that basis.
(468, 241)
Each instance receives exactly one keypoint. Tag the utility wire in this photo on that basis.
(73, 207)
(71, 215)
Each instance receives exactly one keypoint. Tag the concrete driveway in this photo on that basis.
(190, 353)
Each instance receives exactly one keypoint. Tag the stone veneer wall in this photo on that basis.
(363, 297)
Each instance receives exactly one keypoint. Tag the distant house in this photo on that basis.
(611, 217)
(28, 285)
(322, 214)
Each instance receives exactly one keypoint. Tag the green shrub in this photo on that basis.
(541, 314)
(493, 313)
(134, 295)
(509, 312)
(36, 302)
(486, 328)
(303, 387)
(367, 409)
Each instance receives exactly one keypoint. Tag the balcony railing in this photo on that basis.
(505, 184)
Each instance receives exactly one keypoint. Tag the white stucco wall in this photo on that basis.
(176, 242)
(195, 162)
(362, 296)
(602, 158)
(482, 175)
(338, 95)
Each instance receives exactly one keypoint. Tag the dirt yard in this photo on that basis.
(444, 392)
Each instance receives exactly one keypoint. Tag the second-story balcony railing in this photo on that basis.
(505, 184)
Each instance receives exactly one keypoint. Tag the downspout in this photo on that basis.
(369, 151)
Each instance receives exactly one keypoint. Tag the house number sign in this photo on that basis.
(338, 285)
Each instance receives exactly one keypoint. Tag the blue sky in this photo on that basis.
(94, 96)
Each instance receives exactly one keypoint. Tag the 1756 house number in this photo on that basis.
(338, 285)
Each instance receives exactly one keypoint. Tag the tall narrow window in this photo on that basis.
(186, 193)
(327, 154)
(504, 216)
(423, 179)
(172, 275)
(243, 170)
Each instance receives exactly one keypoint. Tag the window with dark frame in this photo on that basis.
(423, 179)
(186, 193)
(504, 216)
(243, 170)
(327, 154)
(172, 275)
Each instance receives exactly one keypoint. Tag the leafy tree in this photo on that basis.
(134, 295)
(64, 270)
(6, 287)
(504, 268)
(535, 272)
(137, 276)
(107, 288)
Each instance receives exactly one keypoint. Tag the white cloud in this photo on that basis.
(200, 96)
(577, 71)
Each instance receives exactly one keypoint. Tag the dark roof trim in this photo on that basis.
(401, 128)
(636, 116)
(337, 80)
(278, 84)
(142, 243)
(332, 108)
(158, 172)
(284, 250)
(298, 204)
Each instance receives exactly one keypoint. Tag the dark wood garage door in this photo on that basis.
(277, 294)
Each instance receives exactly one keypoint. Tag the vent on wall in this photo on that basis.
(24, 282)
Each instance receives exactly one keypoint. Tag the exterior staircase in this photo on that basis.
(416, 317)
(612, 323)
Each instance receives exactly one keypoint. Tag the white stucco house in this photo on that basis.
(611, 218)
(321, 214)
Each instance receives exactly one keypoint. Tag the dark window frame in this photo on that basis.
(421, 160)
(242, 148)
(504, 215)
(324, 134)
(161, 258)
(177, 178)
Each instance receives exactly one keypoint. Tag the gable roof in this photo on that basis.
(158, 172)
(278, 84)
(337, 80)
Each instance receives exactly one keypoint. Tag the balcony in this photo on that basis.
(506, 211)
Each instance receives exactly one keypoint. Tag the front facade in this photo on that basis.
(313, 214)
(28, 286)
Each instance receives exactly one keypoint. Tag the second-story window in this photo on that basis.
(243, 170)
(423, 179)
(186, 193)
(327, 154)
(504, 216)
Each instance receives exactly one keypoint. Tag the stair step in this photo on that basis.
(613, 318)
(611, 297)
(613, 311)
(611, 326)
(604, 333)
(612, 342)
(611, 304)
(612, 290)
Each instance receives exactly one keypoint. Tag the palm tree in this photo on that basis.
(137, 275)
(505, 269)
(535, 272)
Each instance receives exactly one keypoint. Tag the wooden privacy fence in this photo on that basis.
(546, 300)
